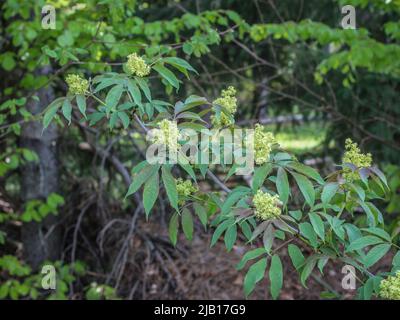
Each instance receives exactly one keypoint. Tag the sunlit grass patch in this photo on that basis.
(300, 139)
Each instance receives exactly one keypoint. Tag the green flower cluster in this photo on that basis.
(184, 188)
(137, 66)
(167, 134)
(354, 156)
(267, 206)
(263, 144)
(229, 102)
(76, 84)
(390, 287)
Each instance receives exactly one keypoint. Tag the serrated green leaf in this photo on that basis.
(144, 87)
(282, 185)
(322, 262)
(379, 232)
(140, 178)
(370, 215)
(113, 120)
(124, 119)
(317, 224)
(296, 256)
(230, 237)
(353, 232)
(306, 188)
(329, 191)
(179, 63)
(150, 192)
(67, 110)
(106, 82)
(134, 92)
(360, 191)
(220, 229)
(260, 174)
(246, 229)
(187, 223)
(170, 186)
(167, 75)
(51, 111)
(173, 228)
(249, 255)
(396, 259)
(95, 117)
(137, 168)
(307, 231)
(275, 276)
(268, 237)
(49, 115)
(297, 214)
(375, 254)
(368, 289)
(81, 102)
(380, 175)
(307, 270)
(231, 200)
(255, 274)
(307, 171)
(113, 96)
(201, 213)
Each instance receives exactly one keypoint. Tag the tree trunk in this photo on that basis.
(39, 179)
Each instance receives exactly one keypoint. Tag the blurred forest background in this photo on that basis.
(296, 70)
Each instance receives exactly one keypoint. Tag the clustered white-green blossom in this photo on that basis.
(184, 188)
(137, 66)
(390, 287)
(266, 205)
(354, 156)
(263, 144)
(229, 102)
(76, 84)
(167, 134)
